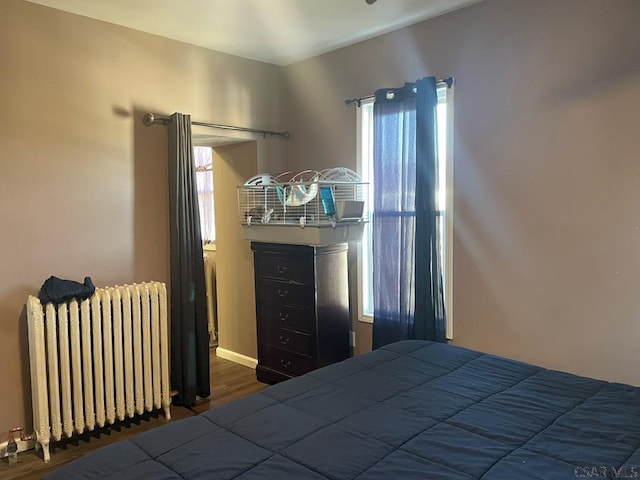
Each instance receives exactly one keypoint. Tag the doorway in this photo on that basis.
(228, 257)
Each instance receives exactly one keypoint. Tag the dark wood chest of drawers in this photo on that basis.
(302, 308)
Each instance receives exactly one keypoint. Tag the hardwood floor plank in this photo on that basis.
(229, 381)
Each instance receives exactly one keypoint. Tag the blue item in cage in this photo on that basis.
(328, 203)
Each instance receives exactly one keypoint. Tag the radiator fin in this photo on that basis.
(65, 370)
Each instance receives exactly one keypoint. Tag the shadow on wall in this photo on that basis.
(151, 200)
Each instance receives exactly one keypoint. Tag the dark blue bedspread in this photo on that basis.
(411, 410)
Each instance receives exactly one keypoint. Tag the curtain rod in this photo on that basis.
(358, 101)
(155, 119)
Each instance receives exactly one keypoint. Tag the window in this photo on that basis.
(203, 159)
(444, 202)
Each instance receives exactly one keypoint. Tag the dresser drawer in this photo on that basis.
(279, 293)
(297, 268)
(283, 361)
(277, 315)
(287, 339)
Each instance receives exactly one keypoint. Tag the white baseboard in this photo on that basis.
(236, 357)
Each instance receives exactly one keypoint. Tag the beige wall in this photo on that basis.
(547, 198)
(83, 185)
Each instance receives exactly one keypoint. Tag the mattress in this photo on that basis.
(410, 410)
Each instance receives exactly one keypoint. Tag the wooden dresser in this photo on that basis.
(302, 308)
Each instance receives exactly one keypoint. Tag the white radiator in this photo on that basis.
(212, 302)
(98, 361)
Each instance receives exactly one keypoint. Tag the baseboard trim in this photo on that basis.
(236, 357)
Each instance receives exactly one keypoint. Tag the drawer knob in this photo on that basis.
(282, 268)
(284, 340)
(283, 292)
(285, 363)
(283, 316)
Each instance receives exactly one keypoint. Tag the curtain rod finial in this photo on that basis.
(149, 119)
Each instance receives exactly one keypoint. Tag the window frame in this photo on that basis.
(363, 151)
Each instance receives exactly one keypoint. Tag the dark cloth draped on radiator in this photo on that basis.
(189, 333)
(407, 276)
(58, 290)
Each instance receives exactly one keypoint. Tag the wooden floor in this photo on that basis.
(228, 382)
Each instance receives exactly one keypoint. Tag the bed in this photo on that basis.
(410, 410)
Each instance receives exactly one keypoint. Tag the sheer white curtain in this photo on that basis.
(203, 160)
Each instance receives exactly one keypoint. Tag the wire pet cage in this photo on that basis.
(325, 207)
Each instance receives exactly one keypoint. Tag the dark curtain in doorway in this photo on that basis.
(189, 332)
(407, 276)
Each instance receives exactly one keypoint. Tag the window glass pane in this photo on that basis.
(203, 159)
(441, 126)
(367, 176)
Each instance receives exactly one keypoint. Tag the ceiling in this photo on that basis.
(273, 31)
